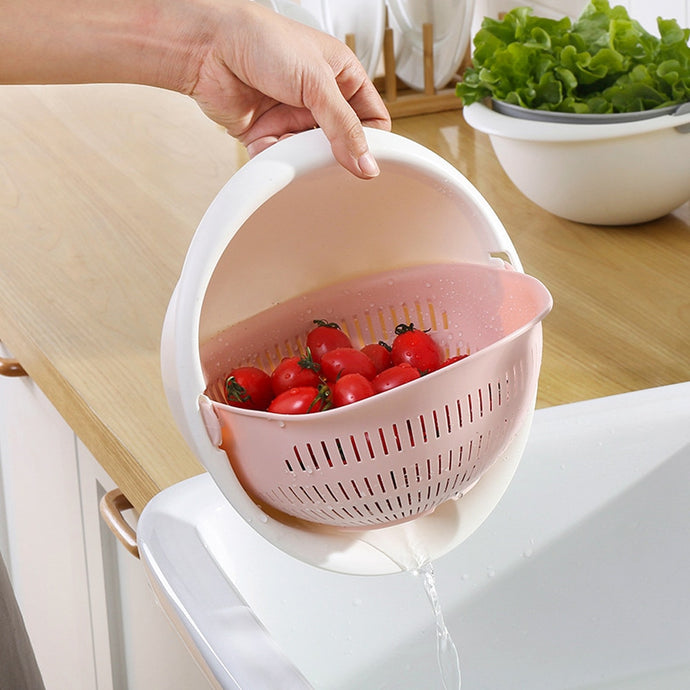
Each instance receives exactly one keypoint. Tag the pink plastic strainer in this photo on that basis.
(398, 455)
(292, 237)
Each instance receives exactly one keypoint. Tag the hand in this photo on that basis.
(264, 77)
(258, 74)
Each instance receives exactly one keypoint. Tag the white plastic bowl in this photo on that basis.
(290, 223)
(608, 174)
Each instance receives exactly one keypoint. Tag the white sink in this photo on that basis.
(578, 580)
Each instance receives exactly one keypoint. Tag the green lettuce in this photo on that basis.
(604, 62)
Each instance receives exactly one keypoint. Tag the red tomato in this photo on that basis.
(346, 360)
(326, 336)
(415, 347)
(293, 372)
(395, 376)
(380, 354)
(351, 388)
(452, 360)
(301, 400)
(249, 388)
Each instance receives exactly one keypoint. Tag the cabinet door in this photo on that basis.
(90, 613)
(136, 647)
(44, 548)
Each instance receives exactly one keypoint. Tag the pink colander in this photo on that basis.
(292, 238)
(397, 455)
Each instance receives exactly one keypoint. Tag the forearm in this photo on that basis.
(153, 42)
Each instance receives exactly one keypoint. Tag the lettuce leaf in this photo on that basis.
(604, 62)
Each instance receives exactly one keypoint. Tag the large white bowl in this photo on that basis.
(604, 174)
(291, 222)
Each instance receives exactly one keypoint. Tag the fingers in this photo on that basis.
(342, 118)
(339, 120)
(258, 145)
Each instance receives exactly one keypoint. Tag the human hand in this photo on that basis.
(264, 77)
(258, 74)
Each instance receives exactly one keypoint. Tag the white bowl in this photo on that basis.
(604, 174)
(288, 223)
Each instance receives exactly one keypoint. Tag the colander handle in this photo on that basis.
(112, 507)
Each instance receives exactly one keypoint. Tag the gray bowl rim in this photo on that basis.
(581, 118)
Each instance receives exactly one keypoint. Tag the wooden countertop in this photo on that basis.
(102, 187)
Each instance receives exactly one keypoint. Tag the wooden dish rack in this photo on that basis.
(400, 99)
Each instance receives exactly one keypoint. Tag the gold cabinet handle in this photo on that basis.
(11, 367)
(112, 507)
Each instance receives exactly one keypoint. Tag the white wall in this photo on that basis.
(645, 11)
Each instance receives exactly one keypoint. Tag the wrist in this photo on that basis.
(171, 38)
(158, 43)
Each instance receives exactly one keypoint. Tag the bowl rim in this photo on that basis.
(483, 118)
(580, 118)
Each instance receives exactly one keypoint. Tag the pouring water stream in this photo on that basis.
(446, 651)
(409, 553)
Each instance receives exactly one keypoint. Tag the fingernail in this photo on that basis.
(367, 165)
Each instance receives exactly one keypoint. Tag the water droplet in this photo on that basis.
(528, 553)
(281, 425)
(490, 572)
(263, 518)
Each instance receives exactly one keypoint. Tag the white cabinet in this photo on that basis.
(89, 611)
(45, 550)
(135, 646)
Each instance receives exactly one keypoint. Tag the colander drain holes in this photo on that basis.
(371, 325)
(420, 472)
(344, 479)
(369, 509)
(410, 434)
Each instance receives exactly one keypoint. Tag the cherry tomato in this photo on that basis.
(326, 336)
(395, 376)
(380, 354)
(301, 400)
(249, 388)
(351, 388)
(293, 372)
(415, 347)
(346, 360)
(452, 360)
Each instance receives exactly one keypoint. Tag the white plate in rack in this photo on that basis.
(452, 22)
(365, 19)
